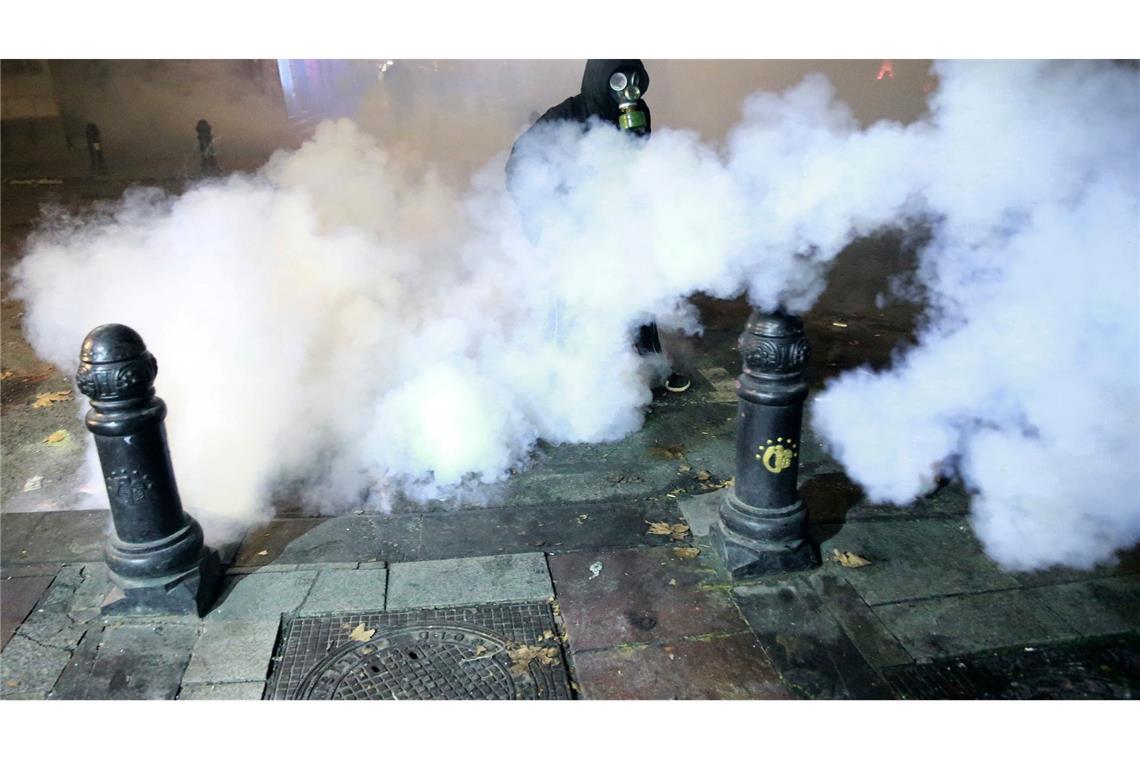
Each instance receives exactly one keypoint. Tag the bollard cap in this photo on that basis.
(776, 324)
(114, 366)
(774, 344)
(111, 343)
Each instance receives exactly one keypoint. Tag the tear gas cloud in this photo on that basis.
(367, 325)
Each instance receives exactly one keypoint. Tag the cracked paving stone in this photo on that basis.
(18, 597)
(132, 661)
(29, 669)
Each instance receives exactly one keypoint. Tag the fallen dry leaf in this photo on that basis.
(685, 552)
(670, 451)
(6, 374)
(58, 436)
(684, 468)
(263, 552)
(582, 518)
(849, 559)
(680, 530)
(47, 399)
(523, 655)
(659, 528)
(703, 475)
(360, 633)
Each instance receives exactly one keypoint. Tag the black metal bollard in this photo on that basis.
(763, 523)
(156, 553)
(95, 150)
(206, 149)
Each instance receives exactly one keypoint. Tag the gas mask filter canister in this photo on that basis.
(626, 91)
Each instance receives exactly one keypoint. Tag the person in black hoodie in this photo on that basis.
(611, 92)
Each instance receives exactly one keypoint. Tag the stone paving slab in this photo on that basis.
(471, 580)
(639, 596)
(912, 559)
(263, 596)
(76, 536)
(874, 641)
(350, 538)
(61, 616)
(28, 571)
(954, 625)
(1125, 563)
(245, 690)
(1097, 607)
(29, 669)
(264, 545)
(130, 661)
(15, 528)
(831, 497)
(552, 529)
(232, 650)
(725, 667)
(347, 590)
(701, 512)
(1098, 668)
(18, 596)
(813, 654)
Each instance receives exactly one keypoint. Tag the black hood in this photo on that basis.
(596, 85)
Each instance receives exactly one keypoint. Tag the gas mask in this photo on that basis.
(626, 90)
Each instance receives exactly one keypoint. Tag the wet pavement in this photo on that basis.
(633, 614)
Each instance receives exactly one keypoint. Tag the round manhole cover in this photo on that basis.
(421, 662)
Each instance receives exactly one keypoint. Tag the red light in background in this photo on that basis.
(886, 71)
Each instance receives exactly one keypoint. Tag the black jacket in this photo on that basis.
(594, 100)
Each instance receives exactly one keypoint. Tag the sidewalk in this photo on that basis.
(633, 615)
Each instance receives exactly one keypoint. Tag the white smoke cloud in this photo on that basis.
(1027, 381)
(351, 318)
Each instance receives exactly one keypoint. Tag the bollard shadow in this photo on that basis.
(829, 497)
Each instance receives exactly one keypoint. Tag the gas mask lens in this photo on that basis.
(625, 88)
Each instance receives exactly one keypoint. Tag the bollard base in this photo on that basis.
(187, 593)
(746, 559)
(751, 542)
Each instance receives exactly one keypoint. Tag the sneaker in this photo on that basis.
(677, 383)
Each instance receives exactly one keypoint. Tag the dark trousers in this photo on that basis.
(648, 341)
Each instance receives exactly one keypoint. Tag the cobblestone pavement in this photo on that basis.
(636, 615)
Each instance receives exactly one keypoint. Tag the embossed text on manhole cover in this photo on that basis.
(491, 651)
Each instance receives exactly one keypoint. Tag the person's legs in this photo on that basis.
(649, 342)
